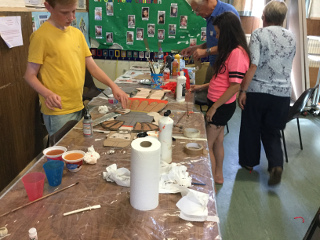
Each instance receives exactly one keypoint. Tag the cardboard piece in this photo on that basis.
(120, 139)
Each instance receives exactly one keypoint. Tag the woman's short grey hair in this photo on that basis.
(275, 12)
(196, 1)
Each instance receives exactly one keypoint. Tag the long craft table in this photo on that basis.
(116, 219)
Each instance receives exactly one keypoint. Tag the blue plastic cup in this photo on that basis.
(54, 171)
(156, 80)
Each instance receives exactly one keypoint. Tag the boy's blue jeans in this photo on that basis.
(55, 122)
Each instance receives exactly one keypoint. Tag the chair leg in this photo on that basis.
(201, 108)
(298, 124)
(227, 128)
(284, 145)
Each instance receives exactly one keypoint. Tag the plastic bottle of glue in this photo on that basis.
(165, 137)
(181, 82)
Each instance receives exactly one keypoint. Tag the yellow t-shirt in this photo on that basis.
(61, 54)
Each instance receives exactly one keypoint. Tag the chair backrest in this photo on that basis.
(90, 90)
(300, 104)
(54, 138)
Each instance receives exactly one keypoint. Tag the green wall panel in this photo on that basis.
(112, 18)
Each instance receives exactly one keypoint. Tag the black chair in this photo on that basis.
(90, 90)
(294, 112)
(54, 138)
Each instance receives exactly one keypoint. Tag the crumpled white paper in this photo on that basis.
(103, 109)
(193, 206)
(119, 175)
(173, 178)
(91, 156)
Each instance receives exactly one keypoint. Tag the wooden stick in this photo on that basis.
(82, 210)
(13, 210)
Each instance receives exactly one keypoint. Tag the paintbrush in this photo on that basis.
(13, 210)
(102, 92)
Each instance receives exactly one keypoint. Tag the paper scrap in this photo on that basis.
(10, 31)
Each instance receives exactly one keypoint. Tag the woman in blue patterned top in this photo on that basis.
(265, 92)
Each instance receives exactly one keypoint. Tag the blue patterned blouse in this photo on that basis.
(272, 51)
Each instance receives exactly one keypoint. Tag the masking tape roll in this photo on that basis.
(3, 231)
(193, 149)
(191, 132)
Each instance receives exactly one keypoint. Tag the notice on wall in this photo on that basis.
(10, 31)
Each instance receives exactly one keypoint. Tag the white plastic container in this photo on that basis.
(165, 137)
(33, 235)
(181, 82)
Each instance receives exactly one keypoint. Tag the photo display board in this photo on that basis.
(141, 24)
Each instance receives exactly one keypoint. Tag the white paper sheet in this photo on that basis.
(10, 31)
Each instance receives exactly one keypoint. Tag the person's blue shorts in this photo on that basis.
(55, 122)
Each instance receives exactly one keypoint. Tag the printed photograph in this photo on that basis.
(174, 10)
(161, 34)
(98, 30)
(131, 21)
(109, 6)
(109, 37)
(151, 29)
(193, 41)
(172, 29)
(161, 17)
(130, 36)
(203, 36)
(183, 21)
(139, 34)
(145, 13)
(98, 13)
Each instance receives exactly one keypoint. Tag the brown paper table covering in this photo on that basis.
(116, 219)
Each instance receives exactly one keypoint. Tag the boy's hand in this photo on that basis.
(121, 96)
(53, 101)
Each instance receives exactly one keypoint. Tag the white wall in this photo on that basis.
(315, 9)
(114, 68)
(12, 3)
(297, 24)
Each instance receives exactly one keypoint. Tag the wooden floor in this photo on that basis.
(249, 209)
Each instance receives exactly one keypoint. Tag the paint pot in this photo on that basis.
(54, 153)
(156, 80)
(74, 160)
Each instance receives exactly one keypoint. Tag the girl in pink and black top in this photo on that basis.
(230, 67)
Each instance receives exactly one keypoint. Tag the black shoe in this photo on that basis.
(275, 176)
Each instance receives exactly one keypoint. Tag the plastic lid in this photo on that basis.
(167, 113)
(32, 232)
(87, 114)
(175, 60)
(181, 73)
(160, 49)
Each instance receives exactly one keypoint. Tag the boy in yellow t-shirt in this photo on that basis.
(58, 57)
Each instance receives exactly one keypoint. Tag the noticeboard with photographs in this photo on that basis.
(140, 24)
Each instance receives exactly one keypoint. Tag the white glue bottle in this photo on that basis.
(33, 235)
(165, 137)
(181, 82)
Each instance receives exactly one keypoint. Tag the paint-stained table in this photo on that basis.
(116, 219)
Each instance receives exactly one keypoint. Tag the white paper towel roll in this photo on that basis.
(145, 173)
